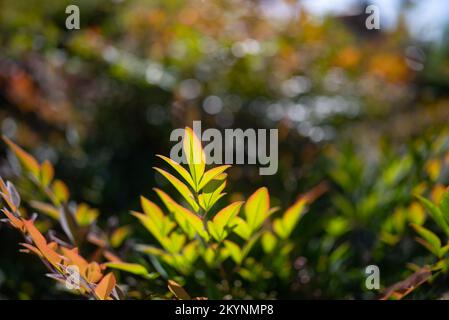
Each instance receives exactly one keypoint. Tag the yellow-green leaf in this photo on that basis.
(210, 175)
(181, 187)
(257, 208)
(242, 228)
(224, 218)
(430, 237)
(47, 173)
(212, 192)
(133, 268)
(45, 208)
(180, 169)
(119, 235)
(194, 155)
(268, 241)
(234, 251)
(291, 218)
(60, 191)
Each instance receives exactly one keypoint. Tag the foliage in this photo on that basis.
(186, 233)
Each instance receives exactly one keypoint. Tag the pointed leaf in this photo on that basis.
(47, 173)
(105, 287)
(181, 187)
(210, 175)
(194, 155)
(133, 268)
(27, 161)
(257, 207)
(435, 213)
(178, 290)
(180, 169)
(429, 236)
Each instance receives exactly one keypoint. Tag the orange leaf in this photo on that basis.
(25, 158)
(41, 244)
(105, 287)
(15, 222)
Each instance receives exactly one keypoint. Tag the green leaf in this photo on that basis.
(181, 187)
(85, 215)
(224, 218)
(430, 237)
(172, 207)
(435, 213)
(150, 225)
(212, 192)
(285, 225)
(191, 251)
(180, 169)
(234, 251)
(47, 173)
(176, 242)
(119, 235)
(195, 155)
(268, 241)
(249, 245)
(257, 208)
(60, 191)
(210, 175)
(242, 228)
(193, 220)
(163, 223)
(444, 205)
(133, 268)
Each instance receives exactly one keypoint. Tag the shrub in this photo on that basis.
(247, 241)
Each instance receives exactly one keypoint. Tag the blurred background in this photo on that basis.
(350, 104)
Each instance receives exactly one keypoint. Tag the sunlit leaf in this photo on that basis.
(172, 207)
(181, 187)
(212, 192)
(164, 224)
(435, 213)
(119, 235)
(61, 191)
(180, 169)
(430, 237)
(85, 215)
(133, 268)
(257, 207)
(224, 218)
(210, 175)
(268, 241)
(234, 251)
(47, 173)
(285, 225)
(242, 228)
(194, 155)
(149, 224)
